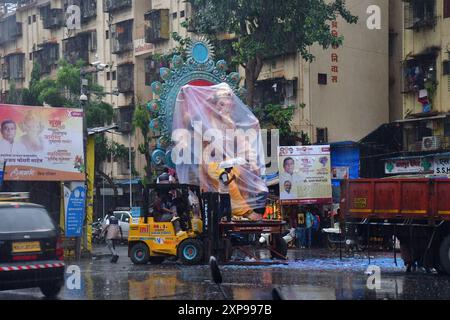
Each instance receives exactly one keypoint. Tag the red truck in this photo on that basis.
(415, 211)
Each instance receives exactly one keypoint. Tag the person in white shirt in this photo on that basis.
(7, 143)
(286, 194)
(288, 166)
(224, 193)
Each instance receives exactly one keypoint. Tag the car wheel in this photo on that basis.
(51, 290)
(140, 254)
(444, 254)
(190, 251)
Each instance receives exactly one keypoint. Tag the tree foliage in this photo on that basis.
(141, 120)
(280, 117)
(264, 28)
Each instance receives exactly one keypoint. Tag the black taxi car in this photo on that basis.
(31, 253)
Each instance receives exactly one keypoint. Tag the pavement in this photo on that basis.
(311, 274)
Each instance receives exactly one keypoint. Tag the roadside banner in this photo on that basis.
(2, 171)
(305, 175)
(42, 143)
(75, 198)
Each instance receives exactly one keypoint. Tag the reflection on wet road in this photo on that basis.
(307, 276)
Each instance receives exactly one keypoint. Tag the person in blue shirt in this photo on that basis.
(309, 224)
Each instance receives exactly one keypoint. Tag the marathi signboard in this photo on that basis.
(408, 166)
(305, 175)
(442, 166)
(42, 144)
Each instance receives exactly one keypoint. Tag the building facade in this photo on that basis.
(344, 92)
(123, 34)
(420, 85)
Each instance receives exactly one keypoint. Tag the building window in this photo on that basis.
(34, 18)
(420, 14)
(157, 26)
(322, 135)
(174, 15)
(76, 48)
(107, 34)
(114, 75)
(182, 14)
(322, 78)
(15, 66)
(29, 19)
(447, 127)
(47, 57)
(122, 37)
(116, 5)
(446, 8)
(108, 76)
(277, 91)
(125, 83)
(418, 71)
(31, 55)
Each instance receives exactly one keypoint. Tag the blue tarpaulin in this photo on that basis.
(344, 154)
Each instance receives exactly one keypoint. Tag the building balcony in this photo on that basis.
(115, 5)
(157, 26)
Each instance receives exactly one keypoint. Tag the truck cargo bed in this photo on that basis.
(396, 198)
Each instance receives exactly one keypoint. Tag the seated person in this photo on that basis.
(160, 211)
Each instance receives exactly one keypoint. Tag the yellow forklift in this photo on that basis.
(157, 235)
(193, 239)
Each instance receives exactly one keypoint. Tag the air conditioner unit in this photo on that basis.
(431, 143)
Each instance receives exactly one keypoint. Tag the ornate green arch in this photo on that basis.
(199, 66)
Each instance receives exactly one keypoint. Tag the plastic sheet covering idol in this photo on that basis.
(212, 125)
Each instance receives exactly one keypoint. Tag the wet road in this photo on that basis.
(310, 275)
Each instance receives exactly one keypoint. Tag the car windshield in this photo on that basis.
(24, 219)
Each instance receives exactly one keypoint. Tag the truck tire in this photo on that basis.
(444, 254)
(280, 246)
(51, 290)
(190, 251)
(140, 254)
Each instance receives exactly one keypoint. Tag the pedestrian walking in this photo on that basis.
(112, 232)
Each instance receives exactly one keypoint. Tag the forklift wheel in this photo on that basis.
(140, 254)
(190, 251)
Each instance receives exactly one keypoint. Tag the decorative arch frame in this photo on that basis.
(199, 68)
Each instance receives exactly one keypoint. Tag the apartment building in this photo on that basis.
(420, 81)
(344, 92)
(123, 34)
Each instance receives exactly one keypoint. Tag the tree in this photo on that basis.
(141, 119)
(264, 28)
(280, 117)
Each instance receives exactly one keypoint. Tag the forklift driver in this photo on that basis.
(160, 211)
